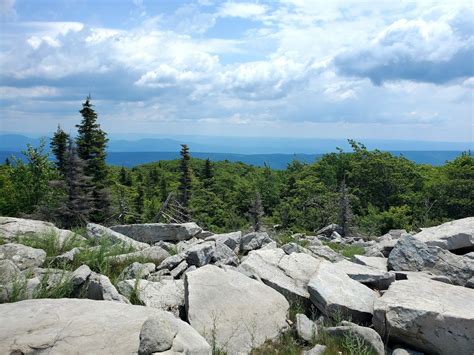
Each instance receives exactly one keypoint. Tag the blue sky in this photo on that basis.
(289, 68)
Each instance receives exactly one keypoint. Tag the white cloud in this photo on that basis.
(242, 9)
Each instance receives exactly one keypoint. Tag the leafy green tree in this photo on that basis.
(59, 146)
(185, 176)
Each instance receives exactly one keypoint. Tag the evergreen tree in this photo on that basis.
(59, 145)
(185, 177)
(124, 177)
(256, 212)
(207, 174)
(163, 189)
(7, 162)
(345, 211)
(91, 143)
(76, 208)
(139, 202)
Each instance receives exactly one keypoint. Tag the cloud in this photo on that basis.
(417, 50)
(9, 92)
(7, 9)
(242, 9)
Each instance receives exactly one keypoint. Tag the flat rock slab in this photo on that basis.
(235, 311)
(288, 274)
(430, 316)
(454, 235)
(22, 256)
(336, 294)
(367, 275)
(78, 326)
(155, 255)
(154, 232)
(373, 261)
(96, 231)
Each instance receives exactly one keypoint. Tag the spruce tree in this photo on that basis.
(76, 208)
(345, 211)
(185, 178)
(139, 202)
(207, 174)
(91, 143)
(59, 145)
(256, 212)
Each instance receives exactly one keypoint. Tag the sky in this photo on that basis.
(359, 69)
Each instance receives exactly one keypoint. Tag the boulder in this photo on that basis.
(68, 256)
(233, 310)
(306, 328)
(12, 227)
(80, 275)
(154, 232)
(336, 294)
(200, 254)
(180, 269)
(161, 334)
(328, 230)
(137, 270)
(232, 240)
(403, 351)
(324, 252)
(253, 241)
(287, 274)
(410, 254)
(383, 247)
(171, 262)
(100, 288)
(167, 295)
(376, 262)
(369, 337)
(434, 317)
(96, 231)
(9, 272)
(455, 235)
(22, 256)
(78, 326)
(223, 255)
(318, 349)
(367, 275)
(153, 254)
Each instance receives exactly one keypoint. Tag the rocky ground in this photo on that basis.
(176, 289)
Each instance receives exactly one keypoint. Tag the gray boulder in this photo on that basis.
(22, 256)
(383, 247)
(68, 256)
(137, 270)
(80, 275)
(9, 272)
(330, 229)
(318, 349)
(306, 328)
(367, 275)
(154, 255)
(434, 317)
(454, 235)
(179, 270)
(167, 295)
(96, 231)
(369, 337)
(254, 240)
(335, 294)
(233, 310)
(78, 326)
(152, 233)
(223, 255)
(232, 240)
(201, 254)
(403, 351)
(171, 261)
(372, 261)
(325, 253)
(100, 288)
(410, 254)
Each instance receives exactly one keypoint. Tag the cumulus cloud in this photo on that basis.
(417, 50)
(242, 9)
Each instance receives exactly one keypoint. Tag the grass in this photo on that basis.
(287, 344)
(287, 237)
(347, 250)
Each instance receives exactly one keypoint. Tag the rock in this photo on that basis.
(253, 241)
(271, 245)
(402, 351)
(80, 275)
(9, 272)
(160, 275)
(328, 230)
(293, 247)
(305, 328)
(410, 254)
(324, 252)
(469, 255)
(73, 326)
(470, 283)
(239, 313)
(180, 269)
(100, 288)
(376, 262)
(434, 317)
(318, 349)
(184, 245)
(167, 295)
(22, 256)
(163, 334)
(397, 233)
(287, 274)
(367, 275)
(223, 255)
(200, 254)
(12, 227)
(383, 247)
(455, 235)
(96, 231)
(68, 256)
(153, 254)
(335, 293)
(368, 336)
(152, 233)
(232, 240)
(415, 275)
(137, 270)
(171, 262)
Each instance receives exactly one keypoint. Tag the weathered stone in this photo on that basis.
(383, 247)
(160, 275)
(167, 295)
(78, 326)
(68, 256)
(334, 293)
(403, 351)
(180, 269)
(22, 256)
(13, 227)
(324, 252)
(239, 313)
(171, 262)
(368, 336)
(154, 232)
(184, 245)
(80, 275)
(253, 241)
(154, 254)
(378, 263)
(9, 272)
(415, 275)
(99, 288)
(455, 235)
(232, 240)
(367, 275)
(318, 349)
(434, 317)
(96, 231)
(200, 254)
(223, 255)
(328, 230)
(306, 328)
(288, 274)
(137, 270)
(410, 254)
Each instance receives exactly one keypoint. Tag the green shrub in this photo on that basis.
(347, 250)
